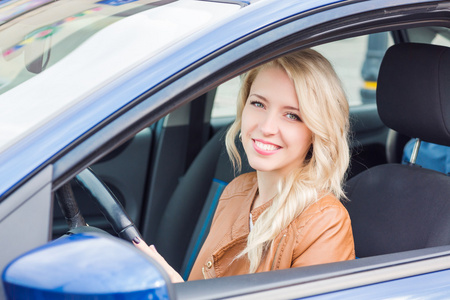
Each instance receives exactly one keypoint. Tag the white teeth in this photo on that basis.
(266, 147)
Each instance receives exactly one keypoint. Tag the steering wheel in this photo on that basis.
(106, 201)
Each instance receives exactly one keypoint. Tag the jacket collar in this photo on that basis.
(242, 226)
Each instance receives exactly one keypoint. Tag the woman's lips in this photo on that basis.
(265, 148)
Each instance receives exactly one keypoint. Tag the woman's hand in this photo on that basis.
(151, 251)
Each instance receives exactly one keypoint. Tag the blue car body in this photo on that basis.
(40, 159)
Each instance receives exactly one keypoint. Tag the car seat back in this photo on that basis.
(179, 239)
(396, 207)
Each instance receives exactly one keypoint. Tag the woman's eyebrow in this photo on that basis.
(292, 108)
(258, 96)
(265, 99)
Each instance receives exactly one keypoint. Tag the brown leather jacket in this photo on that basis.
(321, 234)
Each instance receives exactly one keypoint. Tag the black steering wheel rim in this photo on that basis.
(106, 201)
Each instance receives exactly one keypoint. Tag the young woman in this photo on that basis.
(292, 119)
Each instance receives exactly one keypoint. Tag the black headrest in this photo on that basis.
(413, 93)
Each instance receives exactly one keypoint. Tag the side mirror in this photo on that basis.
(86, 266)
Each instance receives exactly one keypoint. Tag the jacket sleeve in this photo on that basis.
(325, 237)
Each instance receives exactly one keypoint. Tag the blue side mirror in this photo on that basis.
(86, 266)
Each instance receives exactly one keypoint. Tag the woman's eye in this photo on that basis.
(257, 104)
(293, 117)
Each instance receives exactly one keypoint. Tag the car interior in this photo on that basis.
(169, 176)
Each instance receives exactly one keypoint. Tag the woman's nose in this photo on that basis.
(269, 125)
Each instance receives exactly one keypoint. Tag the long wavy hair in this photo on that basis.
(324, 109)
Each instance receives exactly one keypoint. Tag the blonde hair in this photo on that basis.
(324, 110)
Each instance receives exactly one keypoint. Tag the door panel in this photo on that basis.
(25, 218)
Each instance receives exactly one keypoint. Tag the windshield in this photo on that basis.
(59, 52)
(34, 41)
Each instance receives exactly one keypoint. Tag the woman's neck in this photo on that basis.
(267, 187)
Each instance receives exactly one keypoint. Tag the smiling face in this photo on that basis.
(273, 135)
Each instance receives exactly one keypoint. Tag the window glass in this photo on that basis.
(225, 100)
(356, 61)
(430, 35)
(53, 31)
(56, 54)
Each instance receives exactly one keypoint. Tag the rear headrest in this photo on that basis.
(413, 93)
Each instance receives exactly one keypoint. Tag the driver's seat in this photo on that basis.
(396, 207)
